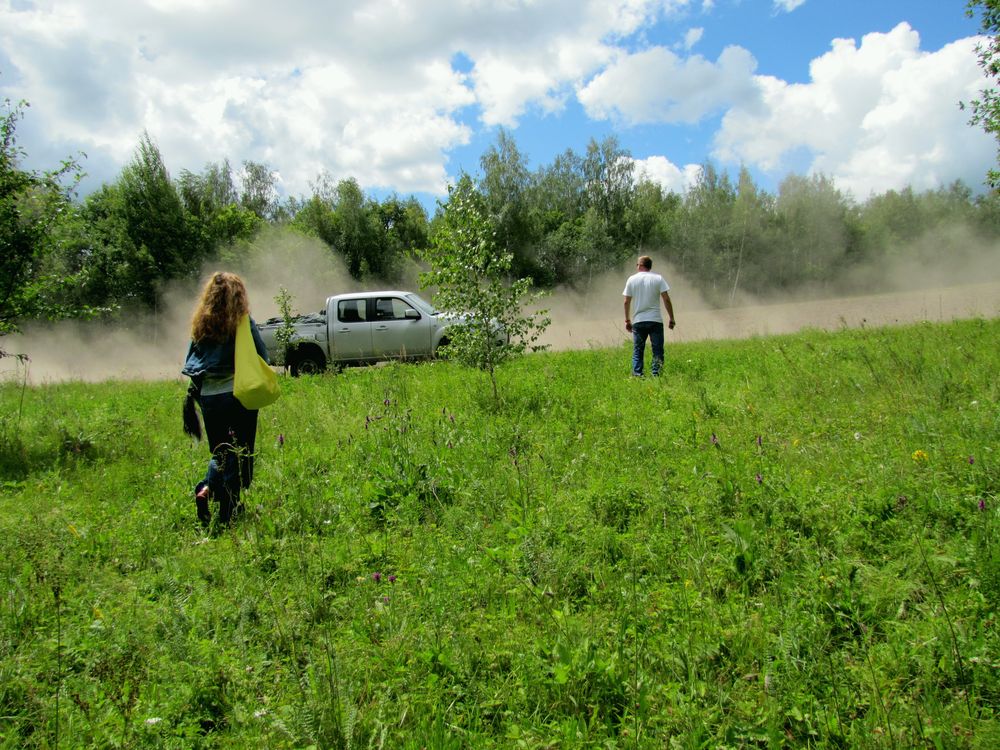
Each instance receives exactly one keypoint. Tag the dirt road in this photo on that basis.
(574, 329)
(80, 352)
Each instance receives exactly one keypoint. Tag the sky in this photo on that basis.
(404, 95)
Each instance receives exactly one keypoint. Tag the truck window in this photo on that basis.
(391, 308)
(352, 311)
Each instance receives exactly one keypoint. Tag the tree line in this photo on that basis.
(563, 223)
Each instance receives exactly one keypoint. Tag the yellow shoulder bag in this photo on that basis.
(254, 384)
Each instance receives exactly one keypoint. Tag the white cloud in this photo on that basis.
(383, 90)
(788, 5)
(657, 86)
(665, 173)
(359, 87)
(874, 116)
(692, 37)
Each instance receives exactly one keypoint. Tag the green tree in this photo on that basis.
(813, 216)
(212, 202)
(471, 273)
(257, 192)
(165, 242)
(703, 244)
(649, 217)
(608, 171)
(504, 185)
(751, 215)
(31, 204)
(404, 231)
(986, 109)
(353, 226)
(558, 192)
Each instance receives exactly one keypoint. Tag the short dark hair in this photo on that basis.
(645, 261)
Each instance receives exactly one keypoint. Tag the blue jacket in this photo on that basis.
(216, 359)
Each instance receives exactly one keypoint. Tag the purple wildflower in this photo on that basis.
(982, 504)
(376, 576)
(715, 440)
(385, 599)
(392, 578)
(972, 460)
(386, 402)
(759, 478)
(281, 439)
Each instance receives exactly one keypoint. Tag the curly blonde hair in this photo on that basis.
(223, 304)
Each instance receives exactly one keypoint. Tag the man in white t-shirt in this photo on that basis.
(643, 292)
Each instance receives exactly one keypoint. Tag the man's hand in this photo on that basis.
(670, 325)
(628, 325)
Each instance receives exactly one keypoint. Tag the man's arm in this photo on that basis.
(628, 320)
(670, 308)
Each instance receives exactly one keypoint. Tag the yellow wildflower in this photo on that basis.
(920, 456)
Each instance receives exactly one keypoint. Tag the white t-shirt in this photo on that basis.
(645, 288)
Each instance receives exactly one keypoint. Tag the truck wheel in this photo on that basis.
(307, 363)
(440, 352)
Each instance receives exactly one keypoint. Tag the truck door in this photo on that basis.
(399, 330)
(352, 330)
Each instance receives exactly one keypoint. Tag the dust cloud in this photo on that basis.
(969, 289)
(153, 345)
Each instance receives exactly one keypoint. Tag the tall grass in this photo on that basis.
(782, 541)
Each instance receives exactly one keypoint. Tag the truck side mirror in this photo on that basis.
(411, 314)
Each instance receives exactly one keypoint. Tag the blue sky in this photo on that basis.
(401, 95)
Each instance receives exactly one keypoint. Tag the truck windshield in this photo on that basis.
(420, 303)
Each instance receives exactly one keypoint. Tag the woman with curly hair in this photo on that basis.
(231, 428)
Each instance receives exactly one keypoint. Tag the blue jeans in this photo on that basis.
(231, 430)
(640, 332)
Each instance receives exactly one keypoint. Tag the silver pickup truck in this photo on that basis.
(360, 328)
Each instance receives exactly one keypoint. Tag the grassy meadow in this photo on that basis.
(783, 541)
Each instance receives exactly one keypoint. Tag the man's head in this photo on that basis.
(645, 263)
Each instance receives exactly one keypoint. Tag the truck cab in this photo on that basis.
(361, 327)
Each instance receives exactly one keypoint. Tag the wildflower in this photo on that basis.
(153, 721)
(260, 713)
(920, 456)
(857, 435)
(982, 504)
(386, 402)
(715, 440)
(759, 478)
(385, 599)
(760, 441)
(376, 576)
(392, 578)
(972, 460)
(281, 439)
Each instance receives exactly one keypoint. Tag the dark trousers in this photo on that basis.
(231, 430)
(640, 332)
